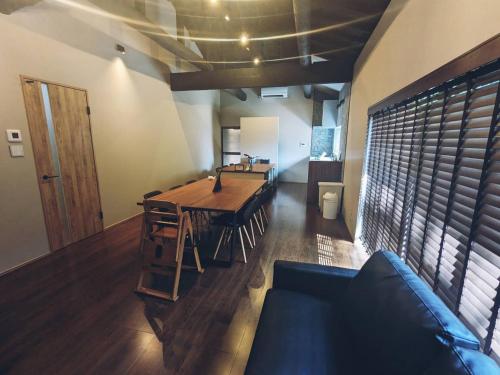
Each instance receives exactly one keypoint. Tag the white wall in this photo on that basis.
(259, 137)
(413, 38)
(145, 137)
(295, 117)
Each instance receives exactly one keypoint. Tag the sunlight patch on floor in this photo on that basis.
(339, 253)
(326, 250)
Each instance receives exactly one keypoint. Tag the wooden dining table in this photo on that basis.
(198, 196)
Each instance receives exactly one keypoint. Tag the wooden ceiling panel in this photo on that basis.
(338, 32)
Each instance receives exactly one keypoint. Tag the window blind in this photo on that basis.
(431, 193)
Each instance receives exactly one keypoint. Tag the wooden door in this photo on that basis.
(60, 131)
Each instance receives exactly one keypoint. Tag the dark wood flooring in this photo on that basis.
(75, 312)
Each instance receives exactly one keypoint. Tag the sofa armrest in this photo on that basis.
(320, 281)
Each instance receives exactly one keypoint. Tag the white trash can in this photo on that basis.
(330, 203)
(330, 187)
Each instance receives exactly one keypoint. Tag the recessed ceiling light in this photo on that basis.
(244, 39)
(120, 49)
(227, 18)
(248, 49)
(256, 61)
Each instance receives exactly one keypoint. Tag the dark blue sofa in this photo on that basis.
(380, 320)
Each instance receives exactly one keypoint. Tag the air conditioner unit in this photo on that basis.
(274, 92)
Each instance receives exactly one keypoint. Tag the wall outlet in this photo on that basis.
(14, 135)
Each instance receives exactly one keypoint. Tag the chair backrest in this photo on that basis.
(152, 194)
(267, 193)
(175, 187)
(190, 182)
(249, 210)
(158, 214)
(264, 195)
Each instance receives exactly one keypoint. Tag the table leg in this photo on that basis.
(232, 241)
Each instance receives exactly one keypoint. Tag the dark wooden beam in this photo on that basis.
(308, 91)
(317, 117)
(302, 17)
(239, 93)
(282, 74)
(480, 55)
(325, 93)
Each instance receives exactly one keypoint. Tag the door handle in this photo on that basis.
(46, 177)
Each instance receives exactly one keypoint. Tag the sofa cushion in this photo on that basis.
(298, 334)
(462, 361)
(397, 321)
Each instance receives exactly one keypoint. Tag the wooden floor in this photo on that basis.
(75, 312)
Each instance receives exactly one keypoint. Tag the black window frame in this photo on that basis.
(429, 189)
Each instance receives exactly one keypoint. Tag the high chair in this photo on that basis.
(168, 228)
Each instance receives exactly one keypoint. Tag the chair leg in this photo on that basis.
(242, 245)
(197, 260)
(177, 276)
(141, 279)
(253, 233)
(143, 234)
(190, 232)
(264, 213)
(229, 236)
(220, 241)
(185, 226)
(248, 237)
(258, 225)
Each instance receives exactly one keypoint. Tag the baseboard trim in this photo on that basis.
(123, 221)
(40, 257)
(24, 264)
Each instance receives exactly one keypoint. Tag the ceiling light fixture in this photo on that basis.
(213, 2)
(227, 18)
(256, 61)
(244, 39)
(120, 49)
(248, 49)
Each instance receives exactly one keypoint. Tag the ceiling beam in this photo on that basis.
(238, 93)
(183, 21)
(282, 74)
(325, 93)
(302, 16)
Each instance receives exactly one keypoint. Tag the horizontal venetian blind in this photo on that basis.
(431, 193)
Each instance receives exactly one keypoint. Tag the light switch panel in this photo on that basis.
(16, 151)
(14, 135)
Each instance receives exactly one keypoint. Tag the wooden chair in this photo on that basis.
(167, 227)
(151, 194)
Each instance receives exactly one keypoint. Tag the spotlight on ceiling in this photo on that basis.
(244, 39)
(227, 18)
(248, 49)
(256, 61)
(120, 49)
